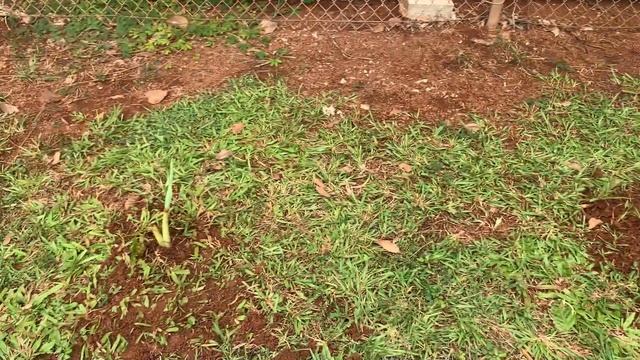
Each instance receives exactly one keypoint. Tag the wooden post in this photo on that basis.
(494, 14)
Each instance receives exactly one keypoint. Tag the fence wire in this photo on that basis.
(596, 14)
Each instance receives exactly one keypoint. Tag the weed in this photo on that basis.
(164, 238)
(629, 84)
(28, 71)
(516, 56)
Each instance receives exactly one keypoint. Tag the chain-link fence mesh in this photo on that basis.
(622, 14)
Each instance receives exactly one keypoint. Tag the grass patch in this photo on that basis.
(309, 262)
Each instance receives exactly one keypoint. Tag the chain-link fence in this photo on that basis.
(596, 14)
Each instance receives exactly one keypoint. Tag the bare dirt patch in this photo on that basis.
(617, 238)
(176, 319)
(444, 73)
(289, 354)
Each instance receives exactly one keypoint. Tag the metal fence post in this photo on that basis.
(494, 14)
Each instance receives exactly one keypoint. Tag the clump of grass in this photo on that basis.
(529, 290)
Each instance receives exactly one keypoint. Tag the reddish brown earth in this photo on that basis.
(440, 73)
(211, 302)
(617, 240)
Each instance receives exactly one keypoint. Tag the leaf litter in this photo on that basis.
(389, 246)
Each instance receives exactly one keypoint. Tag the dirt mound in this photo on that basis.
(158, 316)
(617, 238)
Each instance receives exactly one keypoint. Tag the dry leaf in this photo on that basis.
(321, 188)
(217, 166)
(343, 81)
(277, 176)
(405, 167)
(326, 247)
(346, 169)
(59, 21)
(348, 190)
(224, 154)
(365, 107)
(155, 96)
(594, 222)
(55, 159)
(389, 246)
(47, 96)
(555, 30)
(484, 42)
(574, 165)
(563, 103)
(116, 97)
(267, 26)
(8, 108)
(131, 200)
(237, 128)
(7, 239)
(329, 110)
(178, 21)
(393, 22)
(505, 35)
(472, 127)
(70, 79)
(585, 206)
(378, 28)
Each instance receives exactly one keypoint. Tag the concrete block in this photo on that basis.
(427, 10)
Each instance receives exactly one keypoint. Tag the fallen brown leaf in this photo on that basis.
(365, 107)
(346, 169)
(563, 103)
(484, 42)
(594, 222)
(237, 128)
(378, 28)
(8, 108)
(223, 154)
(268, 26)
(389, 246)
(47, 97)
(178, 21)
(472, 127)
(574, 165)
(393, 22)
(70, 79)
(555, 31)
(329, 110)
(130, 201)
(217, 166)
(155, 96)
(405, 167)
(55, 160)
(7, 239)
(321, 188)
(326, 247)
